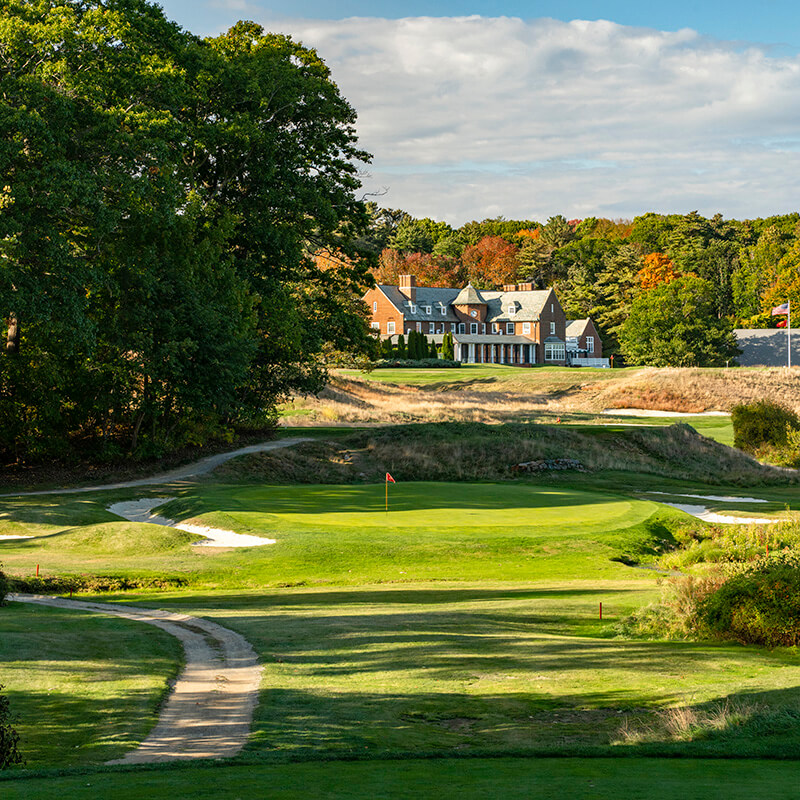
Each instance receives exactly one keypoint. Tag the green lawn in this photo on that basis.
(463, 622)
(86, 688)
(487, 372)
(487, 667)
(467, 779)
(337, 534)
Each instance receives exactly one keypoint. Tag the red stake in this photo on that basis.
(37, 570)
(601, 611)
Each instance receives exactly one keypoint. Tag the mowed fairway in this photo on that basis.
(462, 622)
(466, 779)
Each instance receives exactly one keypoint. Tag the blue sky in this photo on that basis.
(478, 109)
(769, 21)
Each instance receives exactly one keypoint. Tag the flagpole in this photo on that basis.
(386, 482)
(789, 333)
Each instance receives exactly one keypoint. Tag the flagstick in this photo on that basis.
(387, 496)
(789, 332)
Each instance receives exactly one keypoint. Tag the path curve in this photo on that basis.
(179, 474)
(209, 711)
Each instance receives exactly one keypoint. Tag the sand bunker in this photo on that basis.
(141, 511)
(701, 512)
(719, 497)
(3, 538)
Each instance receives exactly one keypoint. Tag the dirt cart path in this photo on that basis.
(210, 709)
(186, 472)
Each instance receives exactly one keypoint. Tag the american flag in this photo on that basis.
(784, 309)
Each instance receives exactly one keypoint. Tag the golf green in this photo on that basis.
(431, 505)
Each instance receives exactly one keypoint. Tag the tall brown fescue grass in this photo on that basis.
(689, 723)
(450, 451)
(523, 394)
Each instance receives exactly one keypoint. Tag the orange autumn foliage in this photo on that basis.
(657, 269)
(491, 262)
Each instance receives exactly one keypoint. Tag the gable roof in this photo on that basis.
(528, 304)
(576, 327)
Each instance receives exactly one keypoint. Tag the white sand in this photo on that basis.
(701, 512)
(141, 511)
(16, 537)
(721, 498)
(650, 412)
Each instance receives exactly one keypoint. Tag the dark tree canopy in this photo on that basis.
(161, 199)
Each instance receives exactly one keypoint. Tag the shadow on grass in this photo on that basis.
(306, 724)
(409, 596)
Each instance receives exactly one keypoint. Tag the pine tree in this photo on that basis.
(401, 347)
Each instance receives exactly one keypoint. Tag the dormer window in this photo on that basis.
(512, 309)
(412, 308)
(427, 309)
(443, 309)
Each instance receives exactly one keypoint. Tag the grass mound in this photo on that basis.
(120, 539)
(479, 452)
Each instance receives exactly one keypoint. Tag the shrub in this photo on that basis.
(406, 363)
(93, 583)
(4, 588)
(762, 423)
(9, 738)
(761, 605)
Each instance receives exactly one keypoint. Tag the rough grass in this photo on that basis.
(728, 719)
(475, 452)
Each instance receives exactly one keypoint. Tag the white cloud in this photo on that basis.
(471, 117)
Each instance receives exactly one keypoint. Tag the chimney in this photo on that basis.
(509, 287)
(408, 287)
(524, 287)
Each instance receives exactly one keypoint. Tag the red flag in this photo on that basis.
(782, 324)
(389, 478)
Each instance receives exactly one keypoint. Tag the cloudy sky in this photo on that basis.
(525, 110)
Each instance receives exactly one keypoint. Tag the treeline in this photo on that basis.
(602, 268)
(161, 200)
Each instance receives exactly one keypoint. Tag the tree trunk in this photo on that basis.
(12, 337)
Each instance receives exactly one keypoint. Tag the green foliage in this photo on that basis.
(677, 325)
(9, 738)
(420, 363)
(94, 584)
(448, 348)
(4, 588)
(401, 349)
(156, 237)
(764, 422)
(761, 605)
